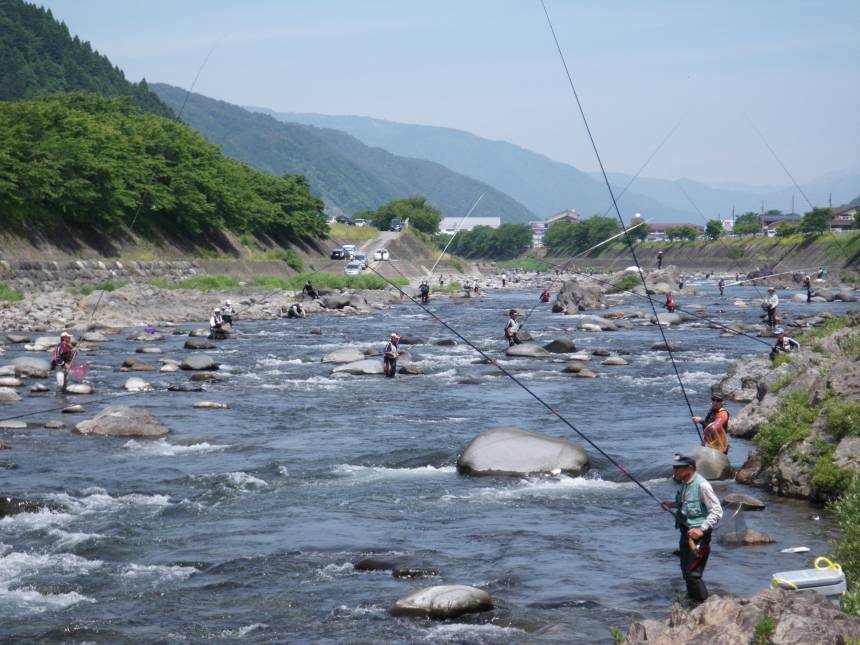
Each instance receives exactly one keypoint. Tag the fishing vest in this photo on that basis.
(513, 326)
(713, 413)
(693, 510)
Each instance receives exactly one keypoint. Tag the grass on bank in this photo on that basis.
(110, 285)
(352, 233)
(847, 552)
(272, 282)
(523, 264)
(791, 423)
(8, 294)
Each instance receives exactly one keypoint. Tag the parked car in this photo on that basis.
(360, 222)
(361, 258)
(353, 268)
(337, 254)
(348, 250)
(395, 225)
(381, 254)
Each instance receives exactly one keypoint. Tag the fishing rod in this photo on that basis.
(554, 411)
(618, 212)
(771, 275)
(456, 230)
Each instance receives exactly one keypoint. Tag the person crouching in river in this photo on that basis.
(783, 344)
(512, 328)
(389, 356)
(61, 360)
(698, 513)
(716, 425)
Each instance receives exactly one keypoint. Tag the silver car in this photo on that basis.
(353, 268)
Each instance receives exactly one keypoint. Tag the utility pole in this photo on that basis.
(830, 200)
(792, 204)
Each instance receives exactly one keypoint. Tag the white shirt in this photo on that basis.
(711, 501)
(772, 300)
(513, 326)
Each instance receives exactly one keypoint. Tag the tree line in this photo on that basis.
(502, 243)
(98, 162)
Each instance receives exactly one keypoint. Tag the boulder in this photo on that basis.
(199, 362)
(711, 464)
(523, 336)
(847, 453)
(604, 324)
(148, 350)
(198, 343)
(8, 395)
(185, 387)
(407, 339)
(94, 337)
(205, 377)
(73, 409)
(411, 571)
(13, 424)
(511, 451)
(31, 367)
(601, 352)
(589, 327)
(746, 502)
(147, 338)
(39, 387)
(132, 364)
(79, 388)
(169, 367)
(799, 297)
(580, 356)
(366, 367)
(123, 421)
(15, 505)
(578, 296)
(560, 346)
(666, 318)
(10, 381)
(337, 301)
(663, 347)
(199, 333)
(614, 360)
(343, 355)
(137, 384)
(445, 342)
(744, 537)
(55, 425)
(409, 369)
(18, 338)
(443, 601)
(527, 350)
(316, 331)
(586, 374)
(574, 367)
(210, 405)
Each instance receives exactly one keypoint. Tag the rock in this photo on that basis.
(149, 350)
(8, 395)
(847, 453)
(711, 464)
(10, 381)
(511, 451)
(343, 355)
(366, 367)
(205, 377)
(406, 339)
(574, 367)
(666, 318)
(527, 350)
(797, 618)
(316, 331)
(580, 356)
(798, 297)
(13, 424)
(410, 369)
(7, 370)
(443, 601)
(578, 296)
(132, 364)
(601, 352)
(614, 360)
(14, 505)
(337, 301)
(586, 374)
(603, 324)
(746, 502)
(663, 347)
(744, 537)
(560, 346)
(376, 564)
(749, 473)
(55, 425)
(169, 367)
(211, 405)
(199, 333)
(137, 384)
(123, 421)
(147, 338)
(185, 387)
(468, 380)
(31, 367)
(408, 571)
(39, 387)
(73, 409)
(199, 362)
(79, 388)
(17, 339)
(197, 343)
(445, 342)
(523, 336)
(94, 337)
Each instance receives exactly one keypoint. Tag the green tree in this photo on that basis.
(685, 232)
(639, 233)
(748, 224)
(503, 243)
(714, 229)
(816, 221)
(787, 229)
(420, 214)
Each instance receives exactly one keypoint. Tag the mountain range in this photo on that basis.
(348, 175)
(546, 186)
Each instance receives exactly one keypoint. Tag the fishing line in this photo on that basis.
(456, 230)
(534, 395)
(618, 213)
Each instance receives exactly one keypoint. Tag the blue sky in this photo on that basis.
(490, 67)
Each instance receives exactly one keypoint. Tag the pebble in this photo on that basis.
(211, 405)
(55, 425)
(14, 424)
(73, 409)
(149, 350)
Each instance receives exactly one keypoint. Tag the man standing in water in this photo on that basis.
(389, 356)
(699, 512)
(770, 303)
(807, 284)
(61, 360)
(722, 285)
(512, 328)
(659, 259)
(716, 425)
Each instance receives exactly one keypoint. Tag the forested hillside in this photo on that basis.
(341, 169)
(38, 57)
(91, 162)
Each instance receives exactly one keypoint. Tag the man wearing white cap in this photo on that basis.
(61, 360)
(770, 303)
(783, 343)
(389, 356)
(699, 512)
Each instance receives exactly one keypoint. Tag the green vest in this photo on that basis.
(693, 510)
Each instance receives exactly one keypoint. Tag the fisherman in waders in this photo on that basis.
(296, 311)
(669, 304)
(783, 344)
(389, 356)
(424, 290)
(659, 259)
(807, 284)
(769, 305)
(61, 360)
(544, 297)
(512, 328)
(310, 291)
(504, 279)
(227, 312)
(722, 285)
(216, 324)
(699, 512)
(716, 425)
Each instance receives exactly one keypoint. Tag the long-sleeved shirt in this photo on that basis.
(512, 327)
(772, 301)
(786, 344)
(711, 502)
(391, 350)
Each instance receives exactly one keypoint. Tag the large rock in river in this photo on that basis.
(123, 421)
(560, 346)
(31, 366)
(443, 601)
(366, 367)
(578, 296)
(711, 464)
(343, 355)
(511, 451)
(199, 362)
(528, 350)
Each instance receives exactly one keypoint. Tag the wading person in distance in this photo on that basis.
(716, 425)
(389, 356)
(698, 513)
(544, 297)
(669, 304)
(807, 284)
(722, 285)
(227, 312)
(216, 324)
(512, 328)
(61, 360)
(659, 259)
(424, 290)
(769, 305)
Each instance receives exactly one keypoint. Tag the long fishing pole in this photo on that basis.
(618, 212)
(456, 230)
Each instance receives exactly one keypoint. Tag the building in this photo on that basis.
(843, 219)
(449, 225)
(567, 215)
(659, 231)
(538, 230)
(728, 225)
(773, 221)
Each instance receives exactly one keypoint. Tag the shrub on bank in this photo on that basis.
(8, 294)
(102, 286)
(791, 423)
(847, 510)
(843, 418)
(829, 480)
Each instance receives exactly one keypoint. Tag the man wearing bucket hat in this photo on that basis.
(699, 512)
(783, 343)
(769, 305)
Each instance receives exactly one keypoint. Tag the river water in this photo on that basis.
(244, 524)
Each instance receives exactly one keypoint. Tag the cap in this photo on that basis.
(514, 312)
(770, 288)
(779, 330)
(679, 460)
(227, 302)
(395, 337)
(717, 397)
(65, 334)
(217, 310)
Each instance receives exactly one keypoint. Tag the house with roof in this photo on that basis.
(567, 215)
(450, 225)
(660, 231)
(843, 219)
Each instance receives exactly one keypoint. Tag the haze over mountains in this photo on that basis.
(546, 186)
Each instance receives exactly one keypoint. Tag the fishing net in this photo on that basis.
(735, 530)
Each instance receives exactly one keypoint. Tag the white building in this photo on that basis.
(567, 215)
(449, 225)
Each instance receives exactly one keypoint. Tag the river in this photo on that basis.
(244, 524)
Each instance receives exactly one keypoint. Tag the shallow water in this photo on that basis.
(244, 524)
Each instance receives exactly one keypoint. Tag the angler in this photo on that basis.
(309, 290)
(424, 290)
(784, 344)
(62, 358)
(669, 304)
(699, 512)
(716, 425)
(227, 312)
(296, 311)
(770, 304)
(512, 328)
(722, 285)
(389, 356)
(544, 297)
(659, 259)
(216, 325)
